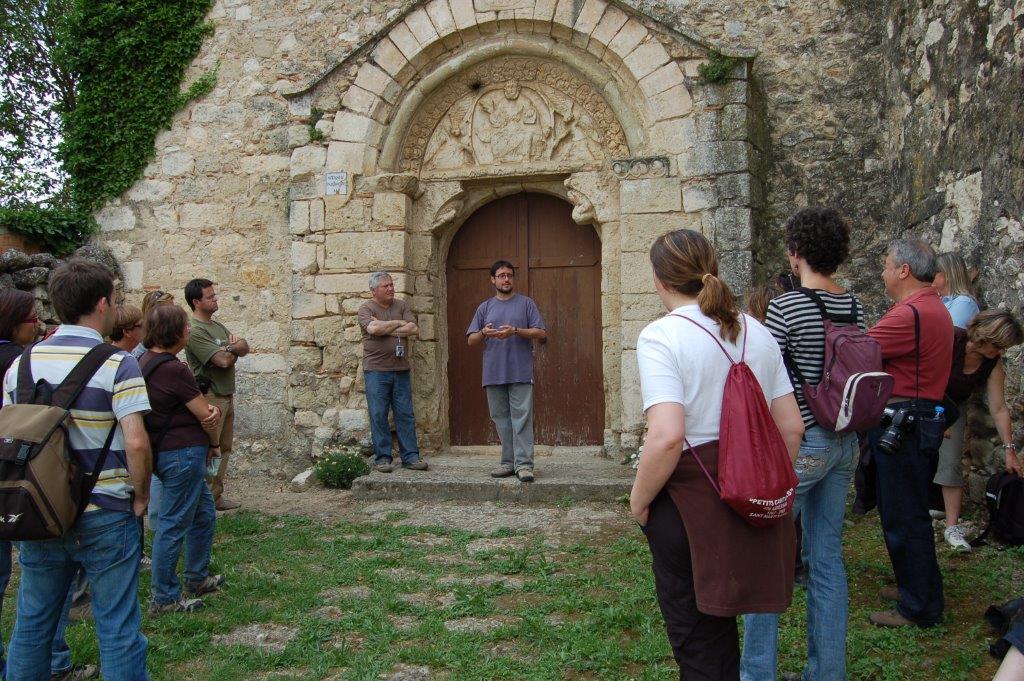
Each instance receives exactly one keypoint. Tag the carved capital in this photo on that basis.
(404, 183)
(447, 213)
(643, 167)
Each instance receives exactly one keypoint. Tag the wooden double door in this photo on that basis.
(558, 264)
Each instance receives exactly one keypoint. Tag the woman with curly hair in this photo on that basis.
(817, 243)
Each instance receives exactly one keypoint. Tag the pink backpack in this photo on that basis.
(755, 474)
(853, 390)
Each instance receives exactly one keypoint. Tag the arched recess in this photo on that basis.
(558, 265)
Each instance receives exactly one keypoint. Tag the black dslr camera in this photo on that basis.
(897, 423)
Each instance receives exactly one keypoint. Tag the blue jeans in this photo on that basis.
(106, 544)
(825, 467)
(186, 515)
(391, 391)
(903, 481)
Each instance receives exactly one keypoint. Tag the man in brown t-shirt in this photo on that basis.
(387, 326)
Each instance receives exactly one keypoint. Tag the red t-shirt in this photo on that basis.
(895, 332)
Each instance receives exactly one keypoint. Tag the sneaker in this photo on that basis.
(227, 504)
(207, 586)
(145, 563)
(383, 467)
(524, 475)
(502, 472)
(937, 514)
(955, 537)
(418, 465)
(890, 618)
(180, 605)
(77, 673)
(889, 593)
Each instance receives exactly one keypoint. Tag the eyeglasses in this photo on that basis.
(34, 319)
(504, 275)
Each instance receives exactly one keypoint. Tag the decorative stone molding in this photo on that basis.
(645, 167)
(512, 111)
(447, 213)
(403, 183)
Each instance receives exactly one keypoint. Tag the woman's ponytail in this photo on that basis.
(716, 300)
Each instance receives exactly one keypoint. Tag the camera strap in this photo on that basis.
(917, 353)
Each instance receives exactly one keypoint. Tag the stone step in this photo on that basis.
(465, 477)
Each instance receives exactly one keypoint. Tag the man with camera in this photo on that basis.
(916, 336)
(386, 323)
(211, 352)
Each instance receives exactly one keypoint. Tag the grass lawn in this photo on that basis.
(357, 601)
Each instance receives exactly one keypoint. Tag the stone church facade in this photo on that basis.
(344, 140)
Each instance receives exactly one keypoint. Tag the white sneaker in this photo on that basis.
(955, 537)
(937, 515)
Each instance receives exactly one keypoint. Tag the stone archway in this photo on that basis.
(449, 108)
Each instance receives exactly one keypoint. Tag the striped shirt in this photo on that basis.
(114, 392)
(795, 321)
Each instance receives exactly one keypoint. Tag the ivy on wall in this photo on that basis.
(717, 68)
(130, 58)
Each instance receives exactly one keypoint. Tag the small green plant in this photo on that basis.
(315, 114)
(717, 68)
(339, 466)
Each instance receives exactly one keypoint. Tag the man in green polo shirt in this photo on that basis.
(212, 351)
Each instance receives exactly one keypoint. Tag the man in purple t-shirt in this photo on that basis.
(508, 324)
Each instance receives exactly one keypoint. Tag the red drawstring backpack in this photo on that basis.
(755, 474)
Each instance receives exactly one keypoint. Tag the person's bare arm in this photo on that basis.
(202, 410)
(407, 329)
(379, 328)
(786, 414)
(665, 437)
(222, 359)
(140, 459)
(996, 392)
(531, 333)
(239, 346)
(478, 336)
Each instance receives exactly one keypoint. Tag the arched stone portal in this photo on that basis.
(450, 108)
(558, 264)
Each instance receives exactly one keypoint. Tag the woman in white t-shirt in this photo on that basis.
(709, 564)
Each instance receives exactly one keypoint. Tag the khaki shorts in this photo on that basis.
(950, 472)
(227, 420)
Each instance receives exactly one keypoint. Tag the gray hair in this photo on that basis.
(917, 254)
(378, 277)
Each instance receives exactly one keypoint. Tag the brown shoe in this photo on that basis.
(890, 618)
(502, 472)
(227, 504)
(418, 465)
(889, 593)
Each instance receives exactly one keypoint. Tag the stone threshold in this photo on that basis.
(466, 477)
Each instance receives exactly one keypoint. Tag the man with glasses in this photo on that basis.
(212, 351)
(508, 324)
(127, 333)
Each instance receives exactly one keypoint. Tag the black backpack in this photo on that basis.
(1004, 498)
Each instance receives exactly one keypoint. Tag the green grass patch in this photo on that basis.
(352, 601)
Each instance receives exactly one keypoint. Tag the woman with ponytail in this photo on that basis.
(709, 565)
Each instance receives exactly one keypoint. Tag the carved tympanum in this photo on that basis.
(516, 111)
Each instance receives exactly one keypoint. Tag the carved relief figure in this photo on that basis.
(512, 110)
(509, 126)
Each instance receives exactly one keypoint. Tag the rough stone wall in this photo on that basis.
(955, 129)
